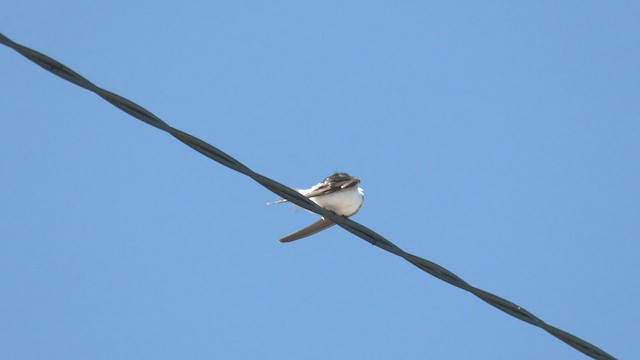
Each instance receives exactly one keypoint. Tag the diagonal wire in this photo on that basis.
(293, 196)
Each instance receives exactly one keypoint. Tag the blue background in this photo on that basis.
(500, 140)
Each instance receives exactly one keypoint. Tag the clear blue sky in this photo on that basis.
(499, 140)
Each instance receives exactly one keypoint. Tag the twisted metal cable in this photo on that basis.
(293, 196)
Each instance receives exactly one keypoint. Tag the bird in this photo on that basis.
(338, 193)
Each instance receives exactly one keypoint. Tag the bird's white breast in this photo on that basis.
(345, 203)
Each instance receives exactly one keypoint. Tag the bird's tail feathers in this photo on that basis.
(314, 228)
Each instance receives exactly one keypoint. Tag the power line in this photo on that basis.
(293, 196)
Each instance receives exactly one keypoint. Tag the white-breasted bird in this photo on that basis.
(338, 193)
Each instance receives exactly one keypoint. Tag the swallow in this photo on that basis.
(338, 193)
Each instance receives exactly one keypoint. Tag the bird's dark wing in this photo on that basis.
(330, 185)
